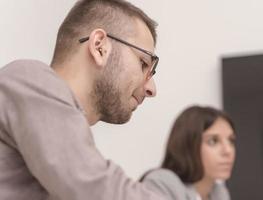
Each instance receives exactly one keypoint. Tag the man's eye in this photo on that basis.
(144, 64)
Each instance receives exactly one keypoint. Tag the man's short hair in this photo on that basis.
(114, 16)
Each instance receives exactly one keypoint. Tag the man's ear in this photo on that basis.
(99, 47)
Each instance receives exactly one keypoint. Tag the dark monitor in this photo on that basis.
(243, 100)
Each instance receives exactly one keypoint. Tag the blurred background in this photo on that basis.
(193, 39)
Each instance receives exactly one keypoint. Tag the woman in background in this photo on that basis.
(199, 157)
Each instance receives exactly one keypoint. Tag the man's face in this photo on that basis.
(124, 85)
(109, 93)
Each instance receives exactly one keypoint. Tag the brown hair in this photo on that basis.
(183, 148)
(114, 16)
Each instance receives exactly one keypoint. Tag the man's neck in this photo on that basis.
(80, 83)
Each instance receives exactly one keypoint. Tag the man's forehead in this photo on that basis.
(142, 36)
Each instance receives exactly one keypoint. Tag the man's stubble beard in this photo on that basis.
(108, 95)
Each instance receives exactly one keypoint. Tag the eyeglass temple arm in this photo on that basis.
(83, 39)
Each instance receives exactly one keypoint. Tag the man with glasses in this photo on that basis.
(101, 70)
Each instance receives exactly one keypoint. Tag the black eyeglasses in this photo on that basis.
(154, 58)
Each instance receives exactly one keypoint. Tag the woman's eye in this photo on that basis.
(232, 140)
(212, 141)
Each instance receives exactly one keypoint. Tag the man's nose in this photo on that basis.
(150, 88)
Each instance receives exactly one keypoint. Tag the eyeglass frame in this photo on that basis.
(154, 58)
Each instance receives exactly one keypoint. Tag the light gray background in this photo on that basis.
(193, 36)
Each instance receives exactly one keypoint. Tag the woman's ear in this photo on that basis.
(99, 47)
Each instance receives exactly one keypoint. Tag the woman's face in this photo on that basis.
(218, 150)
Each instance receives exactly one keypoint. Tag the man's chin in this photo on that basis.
(118, 119)
(134, 108)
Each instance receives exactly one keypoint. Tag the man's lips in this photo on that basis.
(138, 99)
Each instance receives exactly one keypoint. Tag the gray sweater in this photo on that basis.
(170, 185)
(46, 146)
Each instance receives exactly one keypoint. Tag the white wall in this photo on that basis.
(193, 36)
